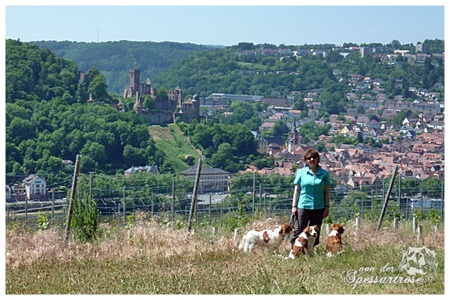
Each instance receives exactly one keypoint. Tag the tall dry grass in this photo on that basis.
(153, 258)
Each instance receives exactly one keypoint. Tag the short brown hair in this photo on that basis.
(311, 152)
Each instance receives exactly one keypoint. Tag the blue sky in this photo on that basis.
(226, 25)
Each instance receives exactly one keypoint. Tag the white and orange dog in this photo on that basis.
(270, 239)
(304, 244)
(334, 240)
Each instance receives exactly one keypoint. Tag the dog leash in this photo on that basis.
(293, 219)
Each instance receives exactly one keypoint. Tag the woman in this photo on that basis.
(311, 200)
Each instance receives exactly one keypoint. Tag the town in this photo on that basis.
(415, 145)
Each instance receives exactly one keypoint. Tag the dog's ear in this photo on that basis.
(307, 231)
(285, 229)
(316, 228)
(266, 236)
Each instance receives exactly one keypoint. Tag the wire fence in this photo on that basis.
(173, 204)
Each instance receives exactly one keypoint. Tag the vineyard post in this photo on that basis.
(124, 205)
(386, 200)
(210, 196)
(194, 194)
(253, 198)
(172, 204)
(72, 197)
(26, 211)
(53, 205)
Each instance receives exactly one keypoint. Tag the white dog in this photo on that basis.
(270, 239)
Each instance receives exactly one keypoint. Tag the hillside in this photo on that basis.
(115, 59)
(283, 72)
(48, 119)
(175, 146)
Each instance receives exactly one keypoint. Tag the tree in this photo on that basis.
(353, 203)
(134, 156)
(244, 142)
(98, 86)
(223, 154)
(19, 130)
(96, 151)
(245, 46)
(395, 44)
(280, 128)
(431, 187)
(163, 94)
(148, 102)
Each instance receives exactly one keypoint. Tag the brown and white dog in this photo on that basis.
(270, 239)
(334, 239)
(304, 244)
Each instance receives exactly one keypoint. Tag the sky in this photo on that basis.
(280, 22)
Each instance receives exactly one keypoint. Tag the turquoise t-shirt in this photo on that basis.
(312, 188)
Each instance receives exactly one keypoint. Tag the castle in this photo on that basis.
(164, 110)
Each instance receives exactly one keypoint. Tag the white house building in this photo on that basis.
(211, 179)
(35, 187)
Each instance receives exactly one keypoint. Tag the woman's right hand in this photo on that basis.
(294, 211)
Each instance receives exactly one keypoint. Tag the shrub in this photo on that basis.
(85, 218)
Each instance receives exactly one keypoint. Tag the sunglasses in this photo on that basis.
(313, 157)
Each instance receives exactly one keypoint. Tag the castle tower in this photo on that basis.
(176, 96)
(147, 88)
(196, 103)
(135, 77)
(134, 85)
(137, 107)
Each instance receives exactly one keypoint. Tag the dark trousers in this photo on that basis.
(307, 217)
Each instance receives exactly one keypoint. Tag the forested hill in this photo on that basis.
(115, 59)
(275, 71)
(48, 119)
(263, 69)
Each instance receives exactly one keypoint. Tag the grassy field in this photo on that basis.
(151, 258)
(171, 140)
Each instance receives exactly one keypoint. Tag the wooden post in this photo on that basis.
(221, 212)
(53, 205)
(260, 197)
(172, 204)
(210, 196)
(386, 200)
(152, 205)
(118, 213)
(194, 194)
(26, 211)
(442, 201)
(72, 197)
(253, 193)
(124, 206)
(90, 185)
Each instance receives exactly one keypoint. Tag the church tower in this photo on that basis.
(293, 139)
